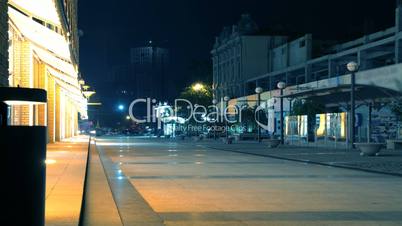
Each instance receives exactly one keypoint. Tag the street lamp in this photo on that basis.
(88, 94)
(281, 86)
(120, 107)
(353, 67)
(226, 99)
(198, 87)
(258, 91)
(214, 102)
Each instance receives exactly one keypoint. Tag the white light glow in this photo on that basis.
(50, 161)
(19, 102)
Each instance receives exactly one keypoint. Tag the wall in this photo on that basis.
(3, 43)
(254, 56)
(292, 53)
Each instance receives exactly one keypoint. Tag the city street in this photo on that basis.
(163, 182)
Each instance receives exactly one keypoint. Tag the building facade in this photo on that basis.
(150, 68)
(240, 53)
(316, 70)
(3, 43)
(43, 53)
(242, 62)
(304, 60)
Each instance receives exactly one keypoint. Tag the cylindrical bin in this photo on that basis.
(25, 148)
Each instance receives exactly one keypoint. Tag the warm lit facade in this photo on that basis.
(43, 53)
(3, 44)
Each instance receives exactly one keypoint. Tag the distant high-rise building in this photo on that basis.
(3, 44)
(150, 68)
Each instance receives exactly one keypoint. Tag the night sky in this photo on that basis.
(188, 27)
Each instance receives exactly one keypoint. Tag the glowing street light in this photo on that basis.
(120, 107)
(128, 117)
(88, 93)
(198, 87)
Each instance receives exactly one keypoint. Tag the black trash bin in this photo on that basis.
(25, 150)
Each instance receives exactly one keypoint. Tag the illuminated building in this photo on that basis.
(43, 53)
(321, 76)
(3, 44)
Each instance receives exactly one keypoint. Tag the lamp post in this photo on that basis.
(214, 102)
(281, 86)
(226, 99)
(258, 91)
(353, 67)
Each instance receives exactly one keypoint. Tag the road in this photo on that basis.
(161, 182)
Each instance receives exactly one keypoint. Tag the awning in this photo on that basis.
(43, 9)
(40, 35)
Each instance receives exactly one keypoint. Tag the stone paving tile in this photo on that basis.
(65, 181)
(387, 162)
(133, 209)
(230, 188)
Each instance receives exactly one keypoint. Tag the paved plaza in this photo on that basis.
(166, 182)
(65, 173)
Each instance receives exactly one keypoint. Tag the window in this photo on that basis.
(51, 27)
(38, 21)
(302, 43)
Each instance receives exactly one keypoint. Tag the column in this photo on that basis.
(307, 73)
(22, 69)
(58, 114)
(51, 109)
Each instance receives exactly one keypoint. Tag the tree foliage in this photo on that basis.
(200, 97)
(306, 107)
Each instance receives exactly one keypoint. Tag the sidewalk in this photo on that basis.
(389, 162)
(65, 172)
(100, 207)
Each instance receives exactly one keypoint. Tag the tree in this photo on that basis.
(197, 94)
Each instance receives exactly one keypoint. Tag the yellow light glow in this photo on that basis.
(198, 87)
(88, 94)
(321, 128)
(343, 124)
(50, 161)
